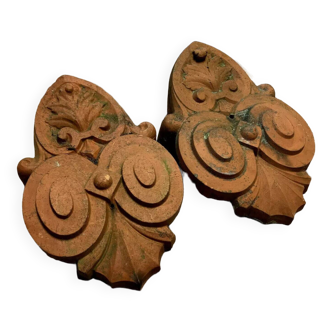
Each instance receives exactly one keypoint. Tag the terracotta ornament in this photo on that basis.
(236, 141)
(100, 191)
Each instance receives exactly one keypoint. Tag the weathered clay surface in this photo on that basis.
(100, 192)
(236, 141)
(76, 115)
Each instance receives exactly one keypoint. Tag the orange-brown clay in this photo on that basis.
(235, 139)
(100, 192)
(76, 115)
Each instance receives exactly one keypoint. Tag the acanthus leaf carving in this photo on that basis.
(75, 107)
(235, 139)
(76, 115)
(203, 79)
(209, 74)
(99, 196)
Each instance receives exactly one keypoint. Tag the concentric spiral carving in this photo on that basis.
(213, 157)
(218, 150)
(143, 186)
(56, 198)
(146, 179)
(252, 149)
(94, 197)
(151, 191)
(212, 81)
(66, 211)
(288, 141)
(60, 215)
(285, 151)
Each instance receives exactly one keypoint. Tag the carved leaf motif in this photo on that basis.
(129, 258)
(140, 208)
(128, 254)
(74, 108)
(275, 196)
(209, 74)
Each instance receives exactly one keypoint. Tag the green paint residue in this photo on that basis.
(110, 251)
(106, 105)
(112, 118)
(230, 77)
(100, 99)
(142, 254)
(168, 169)
(53, 135)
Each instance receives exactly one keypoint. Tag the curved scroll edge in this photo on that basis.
(27, 165)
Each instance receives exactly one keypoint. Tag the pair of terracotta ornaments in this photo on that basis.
(101, 191)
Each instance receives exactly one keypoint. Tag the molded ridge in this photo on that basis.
(236, 140)
(100, 191)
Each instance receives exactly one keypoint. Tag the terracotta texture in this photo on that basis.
(76, 115)
(236, 140)
(100, 192)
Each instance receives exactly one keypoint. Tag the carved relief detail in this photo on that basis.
(275, 196)
(76, 115)
(210, 153)
(78, 212)
(210, 74)
(27, 165)
(79, 117)
(206, 79)
(235, 139)
(109, 216)
(64, 220)
(285, 151)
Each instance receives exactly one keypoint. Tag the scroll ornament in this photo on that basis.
(236, 141)
(78, 116)
(100, 192)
